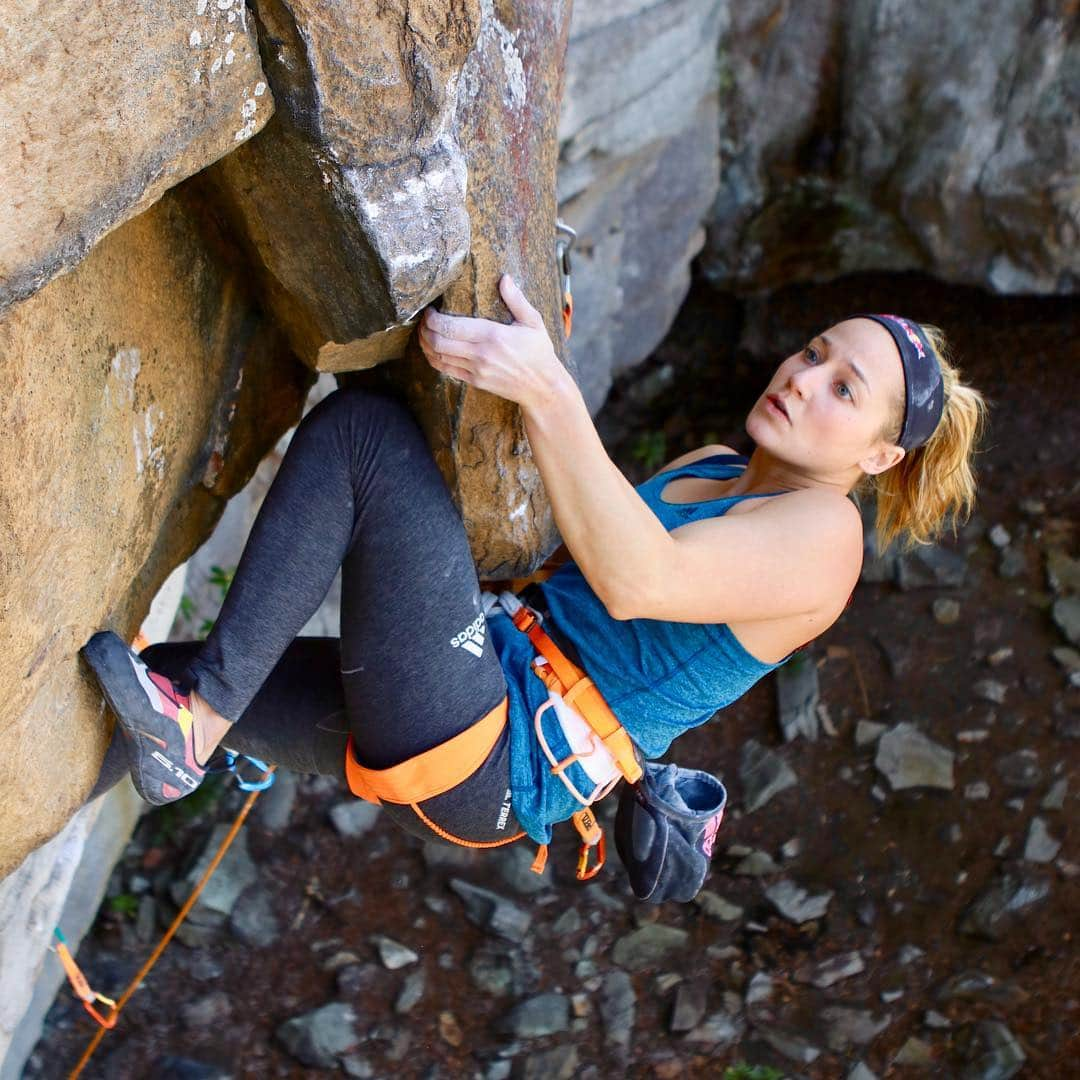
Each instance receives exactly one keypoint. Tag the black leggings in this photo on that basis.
(357, 489)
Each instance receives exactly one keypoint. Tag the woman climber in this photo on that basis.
(681, 593)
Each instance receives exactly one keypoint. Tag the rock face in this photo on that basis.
(140, 390)
(507, 114)
(32, 902)
(353, 200)
(638, 153)
(355, 205)
(102, 109)
(870, 136)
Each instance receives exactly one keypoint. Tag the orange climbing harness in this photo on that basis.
(443, 767)
(432, 773)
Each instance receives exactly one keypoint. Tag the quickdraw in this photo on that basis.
(80, 985)
(107, 1023)
(564, 241)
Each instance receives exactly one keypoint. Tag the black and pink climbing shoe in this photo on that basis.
(154, 716)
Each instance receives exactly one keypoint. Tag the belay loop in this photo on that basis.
(564, 241)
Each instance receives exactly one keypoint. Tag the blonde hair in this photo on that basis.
(933, 485)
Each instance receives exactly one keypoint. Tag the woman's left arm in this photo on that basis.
(634, 565)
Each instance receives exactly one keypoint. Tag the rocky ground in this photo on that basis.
(895, 887)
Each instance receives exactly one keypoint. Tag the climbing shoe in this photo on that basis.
(154, 716)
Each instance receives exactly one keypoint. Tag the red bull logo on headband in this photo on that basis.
(909, 334)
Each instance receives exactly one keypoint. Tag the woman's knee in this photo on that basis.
(349, 405)
(361, 423)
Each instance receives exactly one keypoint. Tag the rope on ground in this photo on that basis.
(182, 914)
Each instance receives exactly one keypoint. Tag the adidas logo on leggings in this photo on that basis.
(472, 637)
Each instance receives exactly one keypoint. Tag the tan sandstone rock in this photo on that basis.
(140, 390)
(105, 106)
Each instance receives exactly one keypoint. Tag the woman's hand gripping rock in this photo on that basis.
(515, 361)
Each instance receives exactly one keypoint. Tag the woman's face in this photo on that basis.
(826, 406)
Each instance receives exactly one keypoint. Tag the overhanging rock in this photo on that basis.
(353, 199)
(105, 106)
(411, 159)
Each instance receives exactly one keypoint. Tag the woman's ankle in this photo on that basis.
(209, 727)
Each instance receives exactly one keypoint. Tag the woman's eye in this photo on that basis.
(843, 389)
(810, 353)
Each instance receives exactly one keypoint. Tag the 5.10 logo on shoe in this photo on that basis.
(472, 638)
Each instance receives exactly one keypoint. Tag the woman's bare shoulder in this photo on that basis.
(823, 527)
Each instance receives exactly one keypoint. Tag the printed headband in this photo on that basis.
(924, 391)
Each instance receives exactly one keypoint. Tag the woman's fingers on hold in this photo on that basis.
(447, 346)
(446, 366)
(445, 363)
(517, 302)
(459, 327)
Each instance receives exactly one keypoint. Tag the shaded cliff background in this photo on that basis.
(207, 204)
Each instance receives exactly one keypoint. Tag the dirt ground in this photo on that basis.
(903, 866)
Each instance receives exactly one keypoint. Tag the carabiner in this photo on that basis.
(584, 873)
(564, 241)
(231, 758)
(106, 1022)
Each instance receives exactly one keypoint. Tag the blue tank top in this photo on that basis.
(660, 678)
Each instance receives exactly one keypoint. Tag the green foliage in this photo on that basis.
(126, 904)
(798, 662)
(725, 76)
(745, 1071)
(222, 578)
(650, 450)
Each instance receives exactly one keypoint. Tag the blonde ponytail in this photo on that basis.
(934, 484)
